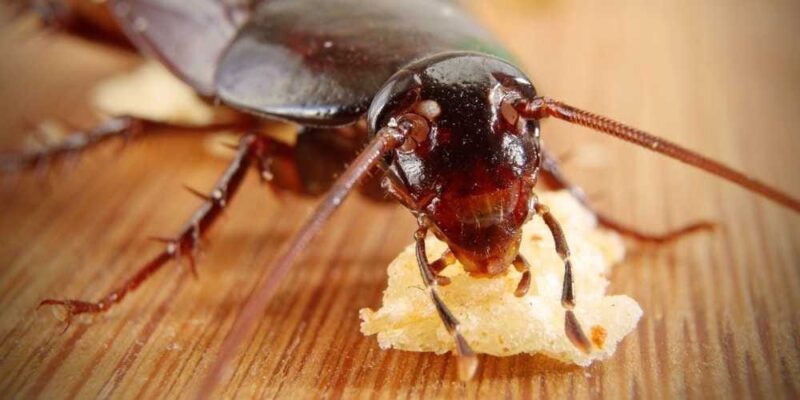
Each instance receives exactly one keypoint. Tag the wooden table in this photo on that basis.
(721, 310)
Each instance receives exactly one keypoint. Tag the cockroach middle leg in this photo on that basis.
(467, 361)
(553, 176)
(571, 325)
(384, 141)
(125, 128)
(392, 184)
(184, 247)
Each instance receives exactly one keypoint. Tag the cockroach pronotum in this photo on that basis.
(432, 98)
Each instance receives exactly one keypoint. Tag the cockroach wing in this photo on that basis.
(321, 62)
(188, 36)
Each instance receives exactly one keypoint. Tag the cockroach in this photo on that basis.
(432, 99)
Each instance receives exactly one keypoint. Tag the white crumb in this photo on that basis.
(496, 322)
(152, 92)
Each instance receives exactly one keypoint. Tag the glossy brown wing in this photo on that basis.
(321, 62)
(188, 36)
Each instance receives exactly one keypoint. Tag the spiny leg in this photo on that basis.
(467, 361)
(384, 141)
(391, 183)
(571, 326)
(250, 149)
(554, 176)
(124, 127)
(120, 127)
(522, 265)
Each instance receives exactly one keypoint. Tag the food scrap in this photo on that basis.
(496, 322)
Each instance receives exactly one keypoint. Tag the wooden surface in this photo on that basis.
(720, 311)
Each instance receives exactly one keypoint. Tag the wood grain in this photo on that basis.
(720, 321)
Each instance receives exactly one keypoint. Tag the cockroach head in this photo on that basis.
(469, 162)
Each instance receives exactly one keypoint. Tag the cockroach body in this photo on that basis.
(452, 123)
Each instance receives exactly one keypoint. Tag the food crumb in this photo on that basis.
(496, 322)
(153, 93)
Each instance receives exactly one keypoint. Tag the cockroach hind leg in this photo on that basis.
(71, 142)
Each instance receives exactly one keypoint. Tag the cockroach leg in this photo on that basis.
(572, 328)
(445, 260)
(553, 176)
(467, 361)
(126, 128)
(121, 127)
(185, 245)
(384, 141)
(392, 184)
(522, 265)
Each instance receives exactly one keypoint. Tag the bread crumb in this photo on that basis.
(496, 322)
(153, 93)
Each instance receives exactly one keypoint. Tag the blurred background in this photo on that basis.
(720, 319)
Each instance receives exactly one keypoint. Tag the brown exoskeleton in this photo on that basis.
(459, 134)
(454, 126)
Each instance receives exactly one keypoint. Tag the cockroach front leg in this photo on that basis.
(572, 328)
(184, 247)
(467, 361)
(553, 176)
(125, 128)
(391, 183)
